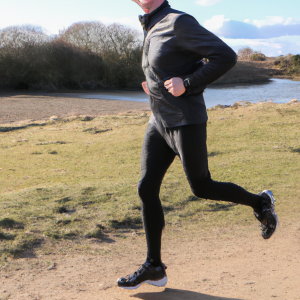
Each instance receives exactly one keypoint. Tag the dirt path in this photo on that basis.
(237, 266)
(16, 107)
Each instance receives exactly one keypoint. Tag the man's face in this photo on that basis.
(145, 4)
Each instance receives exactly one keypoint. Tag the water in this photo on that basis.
(279, 90)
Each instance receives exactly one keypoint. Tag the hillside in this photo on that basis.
(246, 72)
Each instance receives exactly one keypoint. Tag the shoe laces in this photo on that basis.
(143, 267)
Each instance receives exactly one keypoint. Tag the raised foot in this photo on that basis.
(267, 216)
(145, 274)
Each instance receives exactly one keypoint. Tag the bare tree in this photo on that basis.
(102, 39)
(87, 35)
(245, 53)
(17, 36)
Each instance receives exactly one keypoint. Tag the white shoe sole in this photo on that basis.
(159, 283)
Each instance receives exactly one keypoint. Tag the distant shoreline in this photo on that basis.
(16, 109)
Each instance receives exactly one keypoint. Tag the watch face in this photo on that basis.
(186, 82)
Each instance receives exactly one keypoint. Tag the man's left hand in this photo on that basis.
(175, 86)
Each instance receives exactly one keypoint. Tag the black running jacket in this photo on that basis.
(174, 45)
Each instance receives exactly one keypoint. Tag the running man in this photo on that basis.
(174, 47)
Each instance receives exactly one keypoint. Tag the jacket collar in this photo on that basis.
(149, 20)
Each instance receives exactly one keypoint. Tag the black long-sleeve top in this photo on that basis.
(174, 45)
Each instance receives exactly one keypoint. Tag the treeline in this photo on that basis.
(86, 55)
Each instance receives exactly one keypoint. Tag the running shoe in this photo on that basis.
(267, 216)
(145, 274)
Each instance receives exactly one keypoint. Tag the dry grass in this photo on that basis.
(71, 180)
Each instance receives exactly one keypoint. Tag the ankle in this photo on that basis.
(155, 263)
(264, 203)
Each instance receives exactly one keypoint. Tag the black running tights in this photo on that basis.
(160, 147)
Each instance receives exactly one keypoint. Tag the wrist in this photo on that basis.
(186, 83)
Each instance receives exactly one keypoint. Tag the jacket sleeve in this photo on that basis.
(221, 58)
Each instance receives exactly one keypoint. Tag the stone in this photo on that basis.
(293, 101)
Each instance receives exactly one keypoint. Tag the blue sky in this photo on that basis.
(271, 26)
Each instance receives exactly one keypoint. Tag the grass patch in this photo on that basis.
(53, 152)
(8, 223)
(220, 206)
(60, 210)
(127, 222)
(88, 191)
(51, 143)
(17, 246)
(64, 200)
(4, 236)
(296, 150)
(97, 233)
(61, 198)
(8, 129)
(95, 130)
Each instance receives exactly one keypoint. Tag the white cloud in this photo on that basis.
(270, 27)
(270, 47)
(275, 20)
(208, 2)
(260, 35)
(291, 21)
(215, 22)
(268, 21)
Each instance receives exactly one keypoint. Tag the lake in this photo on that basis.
(279, 90)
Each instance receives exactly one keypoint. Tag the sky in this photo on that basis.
(269, 26)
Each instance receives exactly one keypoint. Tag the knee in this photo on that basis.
(201, 189)
(141, 189)
(148, 190)
(144, 190)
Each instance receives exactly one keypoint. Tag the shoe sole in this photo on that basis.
(270, 217)
(158, 283)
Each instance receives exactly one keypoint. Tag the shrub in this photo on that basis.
(49, 65)
(257, 56)
(296, 60)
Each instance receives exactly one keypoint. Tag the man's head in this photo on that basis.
(149, 5)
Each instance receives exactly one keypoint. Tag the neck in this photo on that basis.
(155, 5)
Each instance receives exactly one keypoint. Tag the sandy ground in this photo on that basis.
(16, 107)
(201, 266)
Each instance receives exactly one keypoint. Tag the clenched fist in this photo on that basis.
(145, 87)
(175, 86)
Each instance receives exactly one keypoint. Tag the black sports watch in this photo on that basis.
(186, 83)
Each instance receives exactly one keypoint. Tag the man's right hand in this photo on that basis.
(145, 87)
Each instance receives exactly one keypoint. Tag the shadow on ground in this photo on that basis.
(173, 294)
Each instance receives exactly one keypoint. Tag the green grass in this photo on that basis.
(64, 183)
